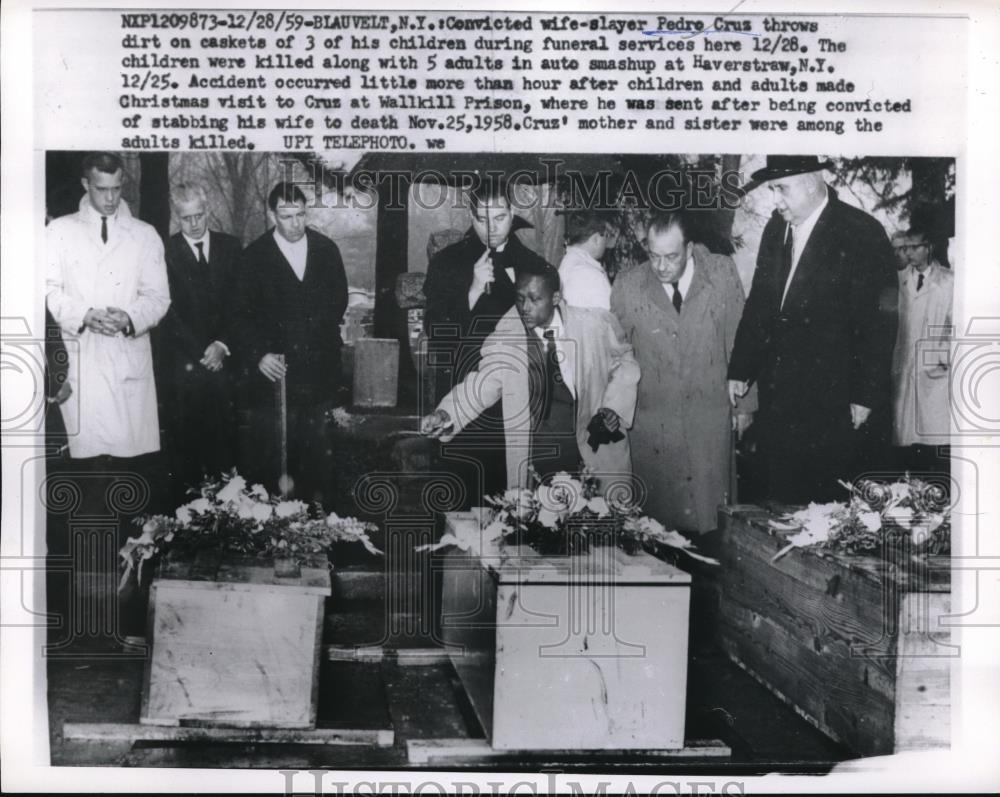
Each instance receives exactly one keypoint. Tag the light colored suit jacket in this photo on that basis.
(606, 375)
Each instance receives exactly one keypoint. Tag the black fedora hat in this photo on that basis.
(778, 166)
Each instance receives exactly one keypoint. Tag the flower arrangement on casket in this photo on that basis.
(243, 521)
(908, 516)
(565, 515)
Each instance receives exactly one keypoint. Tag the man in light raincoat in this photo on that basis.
(106, 287)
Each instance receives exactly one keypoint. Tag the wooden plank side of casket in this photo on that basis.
(823, 631)
(923, 673)
(818, 684)
(232, 657)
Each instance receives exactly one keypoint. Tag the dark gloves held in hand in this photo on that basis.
(599, 434)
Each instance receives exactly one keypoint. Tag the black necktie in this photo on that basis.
(202, 261)
(786, 265)
(104, 229)
(552, 374)
(920, 281)
(678, 299)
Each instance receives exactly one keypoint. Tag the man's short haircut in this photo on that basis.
(106, 162)
(581, 224)
(917, 234)
(491, 187)
(661, 222)
(285, 193)
(542, 270)
(183, 193)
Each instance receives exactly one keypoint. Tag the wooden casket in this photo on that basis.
(852, 643)
(569, 653)
(234, 645)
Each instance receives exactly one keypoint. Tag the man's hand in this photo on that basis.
(610, 418)
(482, 275)
(273, 366)
(436, 424)
(737, 390)
(859, 415)
(119, 320)
(215, 354)
(741, 422)
(98, 321)
(64, 392)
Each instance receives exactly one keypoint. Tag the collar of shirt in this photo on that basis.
(566, 364)
(684, 283)
(93, 218)
(803, 230)
(295, 253)
(204, 241)
(912, 276)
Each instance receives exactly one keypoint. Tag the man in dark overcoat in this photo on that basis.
(291, 300)
(817, 335)
(193, 344)
(469, 287)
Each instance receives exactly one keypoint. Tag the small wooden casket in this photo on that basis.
(852, 643)
(234, 645)
(569, 653)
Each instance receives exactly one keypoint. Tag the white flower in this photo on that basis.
(332, 519)
(289, 508)
(899, 490)
(870, 520)
(183, 514)
(548, 518)
(246, 507)
(563, 495)
(261, 512)
(150, 526)
(901, 515)
(232, 490)
(200, 505)
(495, 529)
(598, 505)
(258, 491)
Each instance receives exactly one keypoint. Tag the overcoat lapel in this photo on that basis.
(654, 290)
(819, 244)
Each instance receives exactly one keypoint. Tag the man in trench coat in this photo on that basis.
(920, 364)
(680, 311)
(106, 287)
(817, 335)
(596, 357)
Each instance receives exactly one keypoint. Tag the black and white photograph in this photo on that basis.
(635, 431)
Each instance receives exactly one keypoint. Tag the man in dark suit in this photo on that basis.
(817, 335)
(291, 299)
(194, 343)
(469, 287)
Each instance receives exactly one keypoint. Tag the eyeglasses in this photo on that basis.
(907, 247)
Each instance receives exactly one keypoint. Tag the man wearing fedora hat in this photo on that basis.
(817, 335)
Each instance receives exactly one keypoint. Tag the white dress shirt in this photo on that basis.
(801, 233)
(683, 284)
(295, 253)
(564, 351)
(584, 281)
(194, 244)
